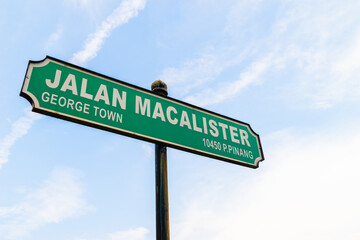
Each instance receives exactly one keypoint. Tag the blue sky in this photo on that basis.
(288, 68)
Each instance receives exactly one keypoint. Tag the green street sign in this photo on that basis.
(69, 92)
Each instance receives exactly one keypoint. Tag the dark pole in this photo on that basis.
(161, 183)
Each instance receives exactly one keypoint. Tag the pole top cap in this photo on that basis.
(159, 87)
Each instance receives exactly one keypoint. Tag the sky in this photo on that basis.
(290, 69)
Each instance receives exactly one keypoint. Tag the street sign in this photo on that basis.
(69, 92)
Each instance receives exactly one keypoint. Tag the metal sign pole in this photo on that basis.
(162, 202)
(161, 183)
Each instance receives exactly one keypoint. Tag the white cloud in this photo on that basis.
(139, 233)
(321, 43)
(193, 73)
(311, 50)
(131, 234)
(60, 197)
(54, 37)
(81, 3)
(344, 70)
(229, 90)
(18, 129)
(126, 10)
(148, 149)
(305, 189)
(208, 74)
